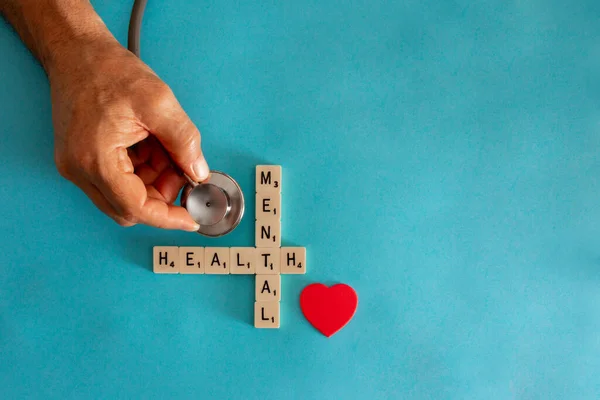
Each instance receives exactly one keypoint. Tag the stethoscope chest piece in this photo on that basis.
(217, 204)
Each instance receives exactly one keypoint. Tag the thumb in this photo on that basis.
(178, 135)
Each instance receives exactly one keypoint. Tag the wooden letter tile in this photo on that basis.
(268, 288)
(268, 261)
(191, 260)
(268, 205)
(216, 260)
(293, 260)
(268, 178)
(266, 314)
(166, 259)
(268, 233)
(243, 260)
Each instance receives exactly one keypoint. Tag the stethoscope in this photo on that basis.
(216, 204)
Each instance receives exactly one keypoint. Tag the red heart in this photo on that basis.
(328, 309)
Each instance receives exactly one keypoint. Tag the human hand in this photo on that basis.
(122, 137)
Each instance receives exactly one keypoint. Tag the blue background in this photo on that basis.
(441, 157)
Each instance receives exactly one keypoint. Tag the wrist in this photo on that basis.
(64, 32)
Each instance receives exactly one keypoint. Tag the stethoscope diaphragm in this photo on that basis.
(216, 204)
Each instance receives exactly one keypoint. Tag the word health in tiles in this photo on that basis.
(229, 260)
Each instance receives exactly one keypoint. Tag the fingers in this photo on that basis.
(128, 195)
(149, 151)
(154, 168)
(168, 184)
(162, 114)
(141, 152)
(123, 196)
(101, 203)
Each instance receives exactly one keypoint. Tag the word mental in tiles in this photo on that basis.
(268, 246)
(267, 260)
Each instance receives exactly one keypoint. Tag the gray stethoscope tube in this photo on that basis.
(217, 204)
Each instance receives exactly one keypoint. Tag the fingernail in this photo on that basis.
(200, 168)
(191, 227)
